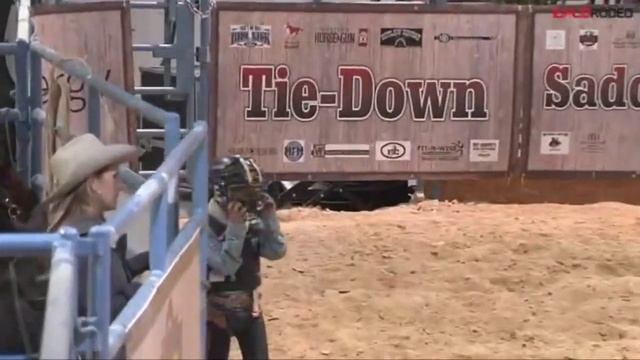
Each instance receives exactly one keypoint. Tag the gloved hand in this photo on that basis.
(268, 204)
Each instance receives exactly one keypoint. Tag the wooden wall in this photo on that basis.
(168, 327)
(546, 79)
(395, 144)
(589, 135)
(100, 34)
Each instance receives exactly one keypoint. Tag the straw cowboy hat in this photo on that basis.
(81, 157)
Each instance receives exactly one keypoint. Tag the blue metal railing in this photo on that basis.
(62, 287)
(162, 255)
(158, 193)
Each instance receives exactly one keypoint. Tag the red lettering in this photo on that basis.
(256, 80)
(577, 13)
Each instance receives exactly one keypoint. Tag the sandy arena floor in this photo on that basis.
(446, 280)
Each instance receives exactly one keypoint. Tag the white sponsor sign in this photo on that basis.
(341, 150)
(393, 150)
(555, 142)
(588, 39)
(251, 36)
(483, 150)
(293, 151)
(556, 40)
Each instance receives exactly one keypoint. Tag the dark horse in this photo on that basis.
(22, 293)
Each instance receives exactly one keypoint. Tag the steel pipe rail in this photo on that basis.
(8, 48)
(62, 300)
(24, 243)
(159, 181)
(147, 133)
(159, 191)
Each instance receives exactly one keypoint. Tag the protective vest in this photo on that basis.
(247, 278)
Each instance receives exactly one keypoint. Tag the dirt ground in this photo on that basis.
(448, 280)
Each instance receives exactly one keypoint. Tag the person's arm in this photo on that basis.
(225, 250)
(120, 299)
(139, 263)
(271, 240)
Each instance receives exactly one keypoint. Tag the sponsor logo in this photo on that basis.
(449, 152)
(483, 150)
(293, 151)
(363, 37)
(341, 150)
(586, 12)
(393, 150)
(613, 91)
(445, 38)
(401, 37)
(253, 151)
(555, 40)
(630, 40)
(251, 36)
(593, 144)
(335, 36)
(588, 39)
(359, 97)
(291, 41)
(554, 143)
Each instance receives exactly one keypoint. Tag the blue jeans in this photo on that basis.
(251, 334)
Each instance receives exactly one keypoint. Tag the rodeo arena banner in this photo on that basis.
(311, 93)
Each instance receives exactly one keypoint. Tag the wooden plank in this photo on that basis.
(432, 147)
(169, 326)
(601, 139)
(363, 7)
(100, 34)
(380, 176)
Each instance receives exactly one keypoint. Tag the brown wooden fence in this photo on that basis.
(395, 91)
(585, 112)
(100, 34)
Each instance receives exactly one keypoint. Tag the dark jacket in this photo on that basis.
(23, 294)
(123, 271)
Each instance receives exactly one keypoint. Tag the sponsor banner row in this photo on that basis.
(260, 36)
(588, 39)
(559, 143)
(297, 151)
(480, 150)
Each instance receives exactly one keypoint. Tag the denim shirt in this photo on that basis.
(225, 248)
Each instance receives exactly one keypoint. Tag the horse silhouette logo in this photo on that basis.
(292, 32)
(555, 142)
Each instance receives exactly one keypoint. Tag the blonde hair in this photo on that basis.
(80, 199)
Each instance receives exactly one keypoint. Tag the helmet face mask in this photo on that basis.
(238, 179)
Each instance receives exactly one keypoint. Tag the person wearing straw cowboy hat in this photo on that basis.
(85, 187)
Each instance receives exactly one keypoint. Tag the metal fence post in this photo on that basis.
(170, 197)
(22, 104)
(165, 209)
(204, 59)
(62, 299)
(159, 238)
(35, 97)
(200, 195)
(102, 236)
